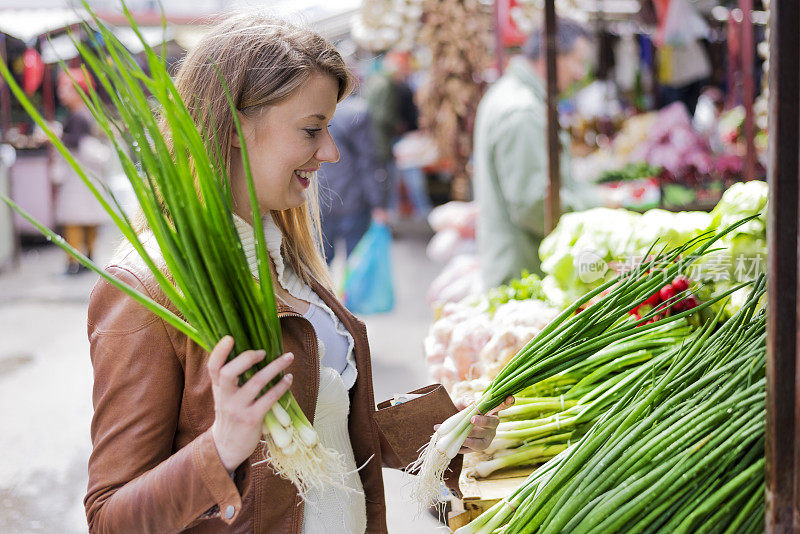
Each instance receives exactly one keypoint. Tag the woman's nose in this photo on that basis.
(328, 152)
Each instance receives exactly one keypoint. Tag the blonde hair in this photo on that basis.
(263, 61)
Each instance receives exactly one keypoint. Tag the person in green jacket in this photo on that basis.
(510, 155)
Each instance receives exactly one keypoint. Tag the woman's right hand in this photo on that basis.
(239, 411)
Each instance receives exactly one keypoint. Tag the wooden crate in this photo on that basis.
(481, 494)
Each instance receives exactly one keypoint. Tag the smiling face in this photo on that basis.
(287, 143)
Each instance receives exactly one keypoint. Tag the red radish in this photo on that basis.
(657, 318)
(653, 300)
(680, 283)
(667, 292)
(690, 302)
(678, 306)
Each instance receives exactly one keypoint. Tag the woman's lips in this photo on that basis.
(305, 181)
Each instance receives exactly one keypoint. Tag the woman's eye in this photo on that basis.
(312, 132)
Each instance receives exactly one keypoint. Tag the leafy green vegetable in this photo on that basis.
(631, 171)
(528, 286)
(587, 248)
(618, 238)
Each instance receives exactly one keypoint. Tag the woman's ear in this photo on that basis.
(235, 141)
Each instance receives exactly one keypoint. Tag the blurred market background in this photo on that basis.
(668, 133)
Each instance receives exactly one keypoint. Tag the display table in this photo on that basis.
(478, 495)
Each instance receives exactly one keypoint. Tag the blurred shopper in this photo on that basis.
(510, 155)
(394, 113)
(684, 70)
(76, 208)
(684, 67)
(356, 185)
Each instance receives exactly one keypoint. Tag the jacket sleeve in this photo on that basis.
(520, 160)
(405, 428)
(137, 482)
(521, 163)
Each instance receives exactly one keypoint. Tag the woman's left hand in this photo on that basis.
(485, 426)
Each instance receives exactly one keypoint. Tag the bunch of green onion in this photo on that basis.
(539, 427)
(681, 452)
(183, 190)
(572, 337)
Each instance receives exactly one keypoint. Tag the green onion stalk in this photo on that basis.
(593, 322)
(682, 452)
(183, 189)
(533, 431)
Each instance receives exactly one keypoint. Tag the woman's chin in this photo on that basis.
(296, 201)
(291, 199)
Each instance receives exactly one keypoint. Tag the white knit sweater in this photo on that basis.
(328, 510)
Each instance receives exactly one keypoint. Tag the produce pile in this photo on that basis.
(590, 324)
(664, 302)
(589, 247)
(385, 24)
(455, 33)
(454, 244)
(682, 449)
(676, 147)
(555, 412)
(454, 226)
(475, 334)
(475, 338)
(664, 146)
(630, 172)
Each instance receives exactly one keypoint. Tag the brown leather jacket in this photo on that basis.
(154, 466)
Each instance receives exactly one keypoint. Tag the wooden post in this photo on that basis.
(5, 94)
(748, 89)
(553, 202)
(783, 405)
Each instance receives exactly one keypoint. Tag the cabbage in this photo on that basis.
(746, 247)
(742, 200)
(583, 240)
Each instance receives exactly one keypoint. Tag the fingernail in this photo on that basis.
(288, 356)
(288, 378)
(261, 354)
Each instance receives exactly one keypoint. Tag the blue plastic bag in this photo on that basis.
(368, 286)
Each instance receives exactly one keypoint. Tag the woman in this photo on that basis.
(175, 439)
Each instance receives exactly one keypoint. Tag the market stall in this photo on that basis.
(478, 331)
(24, 33)
(34, 42)
(678, 157)
(477, 335)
